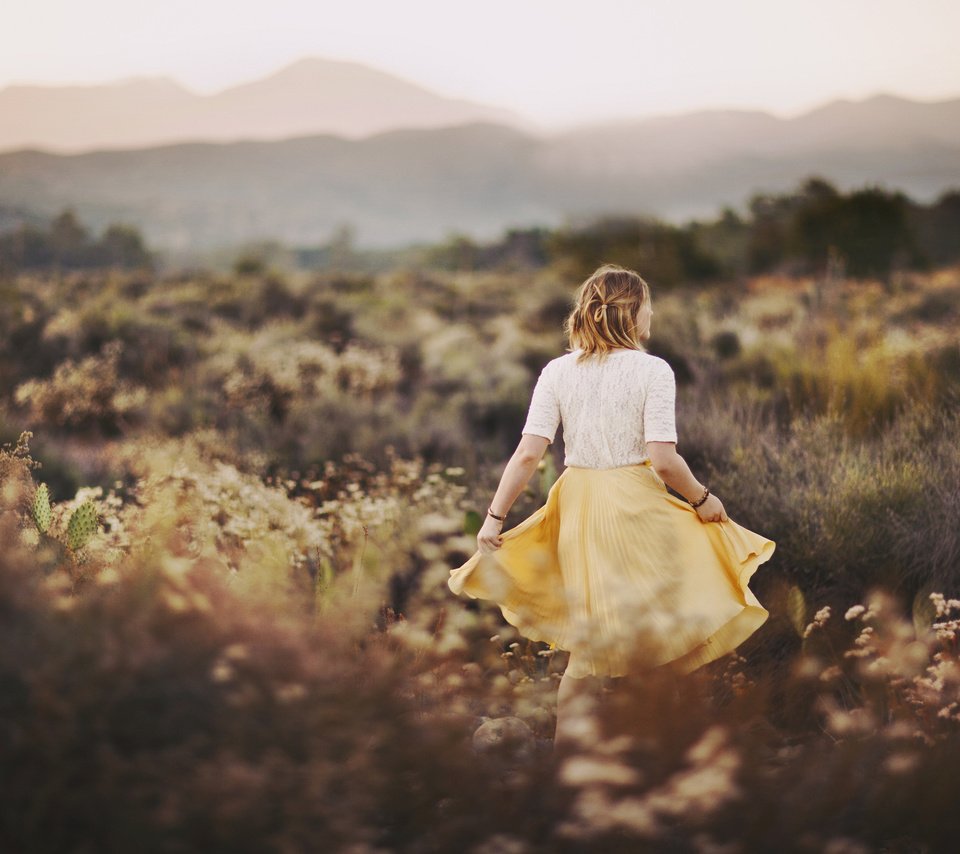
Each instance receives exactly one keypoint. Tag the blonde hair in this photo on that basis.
(604, 316)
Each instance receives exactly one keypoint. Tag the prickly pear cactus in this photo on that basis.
(797, 608)
(82, 525)
(41, 508)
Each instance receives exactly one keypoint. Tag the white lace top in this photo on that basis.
(609, 410)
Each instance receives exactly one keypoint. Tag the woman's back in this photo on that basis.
(617, 566)
(609, 408)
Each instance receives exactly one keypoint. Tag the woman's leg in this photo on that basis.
(575, 698)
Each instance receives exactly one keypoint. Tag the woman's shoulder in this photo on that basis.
(657, 363)
(647, 360)
(561, 361)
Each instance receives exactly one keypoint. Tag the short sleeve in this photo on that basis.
(659, 408)
(543, 416)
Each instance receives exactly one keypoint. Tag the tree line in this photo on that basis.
(66, 243)
(867, 232)
(815, 230)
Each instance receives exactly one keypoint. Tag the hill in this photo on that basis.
(481, 177)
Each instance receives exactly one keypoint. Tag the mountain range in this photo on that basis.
(310, 96)
(401, 164)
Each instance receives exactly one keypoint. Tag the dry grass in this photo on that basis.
(257, 650)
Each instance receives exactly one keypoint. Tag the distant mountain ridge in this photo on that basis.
(480, 177)
(310, 96)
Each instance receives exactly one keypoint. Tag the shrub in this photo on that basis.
(85, 395)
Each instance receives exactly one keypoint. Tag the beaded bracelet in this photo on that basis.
(706, 492)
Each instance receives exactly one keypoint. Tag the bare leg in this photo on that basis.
(577, 700)
(572, 697)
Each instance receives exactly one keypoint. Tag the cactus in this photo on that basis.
(796, 609)
(41, 508)
(82, 525)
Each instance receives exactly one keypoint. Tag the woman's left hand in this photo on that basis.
(488, 538)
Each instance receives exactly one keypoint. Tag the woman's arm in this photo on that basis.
(676, 474)
(515, 476)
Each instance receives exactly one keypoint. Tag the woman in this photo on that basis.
(613, 567)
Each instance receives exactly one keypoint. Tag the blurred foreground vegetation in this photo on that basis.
(256, 650)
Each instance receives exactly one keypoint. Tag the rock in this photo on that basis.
(507, 738)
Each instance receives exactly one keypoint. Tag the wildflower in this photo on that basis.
(854, 612)
(947, 711)
(943, 606)
(819, 619)
(237, 651)
(831, 672)
(901, 763)
(221, 672)
(585, 770)
(289, 692)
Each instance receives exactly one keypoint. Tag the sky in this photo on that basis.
(555, 62)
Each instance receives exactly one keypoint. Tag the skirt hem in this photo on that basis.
(524, 576)
(720, 641)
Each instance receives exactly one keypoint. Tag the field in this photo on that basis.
(248, 644)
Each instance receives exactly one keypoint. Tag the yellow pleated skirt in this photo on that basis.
(623, 575)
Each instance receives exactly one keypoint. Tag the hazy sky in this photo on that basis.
(555, 61)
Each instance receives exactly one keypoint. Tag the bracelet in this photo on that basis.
(706, 492)
(495, 516)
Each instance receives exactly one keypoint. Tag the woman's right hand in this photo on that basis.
(712, 510)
